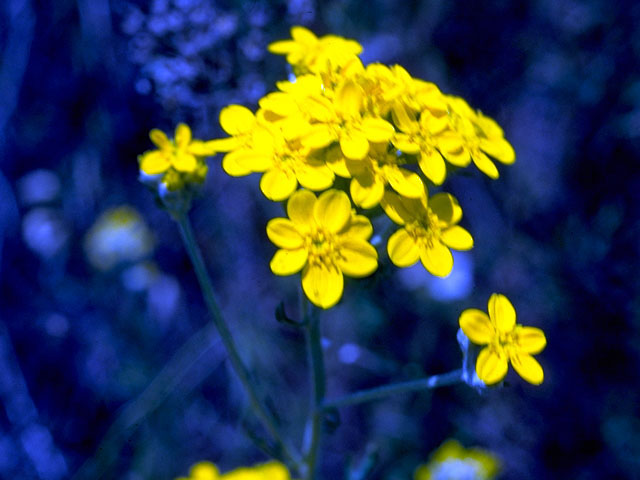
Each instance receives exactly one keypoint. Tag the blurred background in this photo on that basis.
(106, 357)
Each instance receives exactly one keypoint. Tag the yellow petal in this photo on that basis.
(224, 144)
(366, 190)
(318, 136)
(154, 162)
(288, 262)
(377, 129)
(183, 135)
(476, 325)
(319, 108)
(323, 285)
(236, 119)
(446, 207)
(336, 162)
(160, 139)
(405, 144)
(401, 210)
(282, 47)
(252, 160)
(457, 238)
(278, 185)
(303, 35)
(315, 176)
(332, 210)
(402, 249)
(530, 340)
(459, 158)
(404, 119)
(358, 227)
(354, 144)
(502, 313)
(485, 165)
(284, 234)
(433, 166)
(184, 162)
(491, 365)
(437, 259)
(358, 258)
(405, 182)
(300, 209)
(233, 167)
(499, 149)
(349, 99)
(202, 149)
(527, 367)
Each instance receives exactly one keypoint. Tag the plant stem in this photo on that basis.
(195, 255)
(316, 367)
(376, 393)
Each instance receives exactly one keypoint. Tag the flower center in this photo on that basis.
(322, 248)
(426, 229)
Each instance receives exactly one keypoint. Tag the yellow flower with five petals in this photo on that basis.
(180, 159)
(505, 340)
(325, 239)
(429, 230)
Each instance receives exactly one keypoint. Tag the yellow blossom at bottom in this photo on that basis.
(265, 471)
(325, 239)
(505, 342)
(451, 461)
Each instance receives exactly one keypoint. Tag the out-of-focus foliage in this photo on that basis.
(82, 84)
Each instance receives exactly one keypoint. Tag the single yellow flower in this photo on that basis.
(308, 53)
(183, 154)
(369, 176)
(325, 239)
(506, 341)
(343, 120)
(451, 461)
(429, 230)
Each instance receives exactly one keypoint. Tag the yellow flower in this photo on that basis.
(265, 471)
(342, 120)
(325, 239)
(451, 461)
(418, 137)
(240, 123)
(308, 53)
(429, 230)
(472, 137)
(371, 174)
(179, 159)
(506, 341)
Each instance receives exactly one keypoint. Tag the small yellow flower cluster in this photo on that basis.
(265, 471)
(180, 161)
(387, 133)
(452, 461)
(505, 342)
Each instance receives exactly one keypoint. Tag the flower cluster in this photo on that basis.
(265, 471)
(388, 134)
(505, 342)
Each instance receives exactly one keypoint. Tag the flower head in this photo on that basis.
(429, 230)
(451, 461)
(308, 53)
(180, 160)
(325, 239)
(505, 342)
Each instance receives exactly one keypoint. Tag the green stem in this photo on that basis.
(195, 255)
(316, 366)
(376, 393)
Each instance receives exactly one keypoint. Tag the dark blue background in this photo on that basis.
(81, 84)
